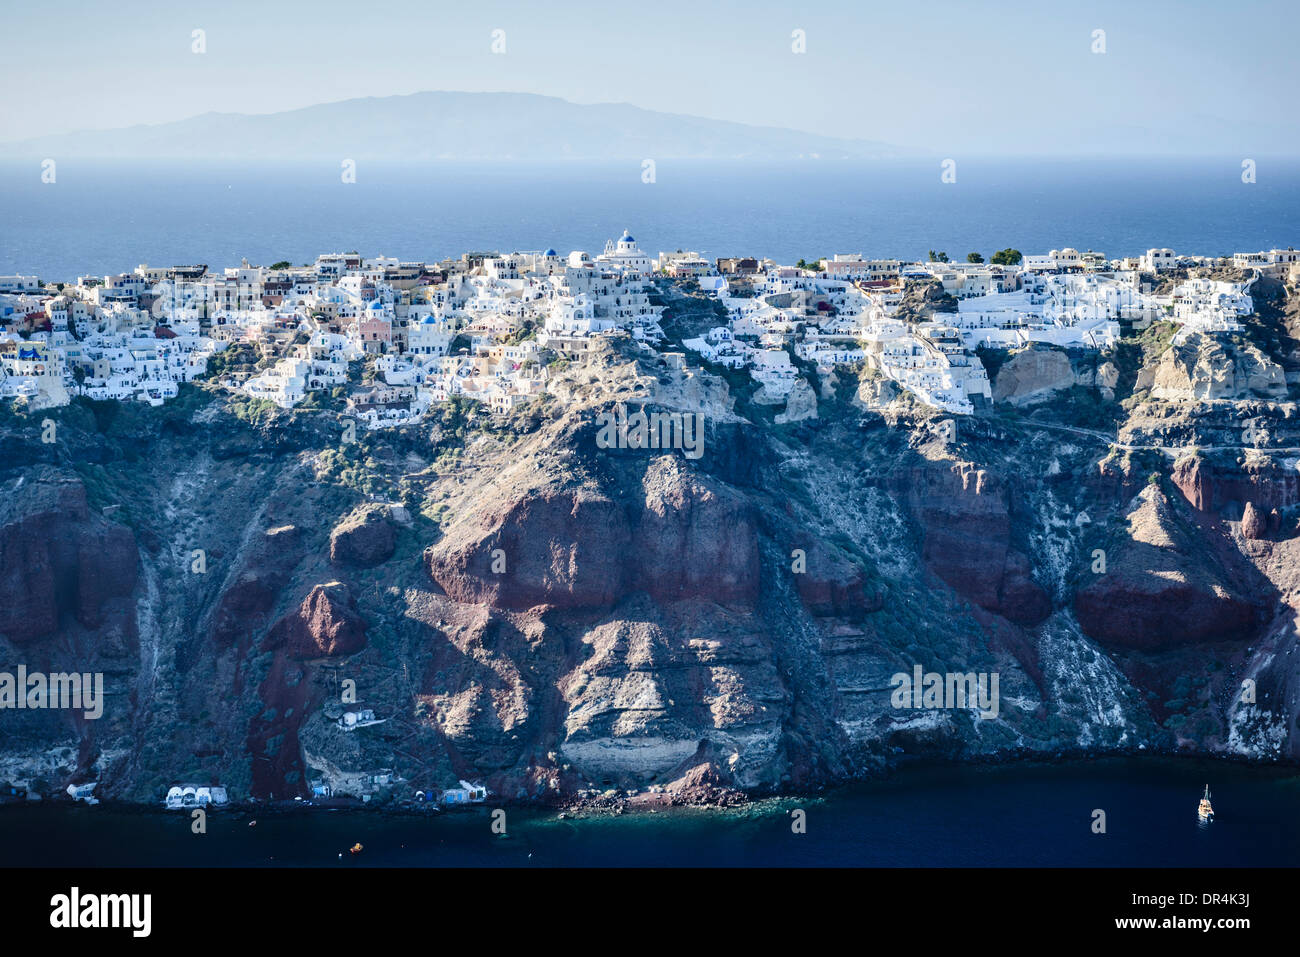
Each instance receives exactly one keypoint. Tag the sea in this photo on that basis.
(106, 217)
(1118, 812)
(100, 217)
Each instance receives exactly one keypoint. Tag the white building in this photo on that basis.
(625, 255)
(1158, 260)
(195, 796)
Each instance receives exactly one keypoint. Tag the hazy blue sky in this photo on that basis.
(947, 77)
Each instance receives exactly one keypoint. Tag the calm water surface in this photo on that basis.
(956, 817)
(101, 217)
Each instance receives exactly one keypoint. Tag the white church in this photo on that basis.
(626, 255)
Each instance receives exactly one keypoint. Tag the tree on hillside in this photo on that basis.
(938, 257)
(974, 258)
(1007, 257)
(282, 264)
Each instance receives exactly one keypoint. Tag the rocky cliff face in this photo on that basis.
(1164, 584)
(964, 517)
(677, 536)
(325, 625)
(1033, 375)
(61, 566)
(1228, 486)
(365, 538)
(1207, 367)
(523, 607)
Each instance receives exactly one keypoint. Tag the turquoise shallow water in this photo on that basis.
(110, 216)
(953, 816)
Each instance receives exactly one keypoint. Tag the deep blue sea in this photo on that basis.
(962, 816)
(100, 217)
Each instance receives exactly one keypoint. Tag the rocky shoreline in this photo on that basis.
(647, 802)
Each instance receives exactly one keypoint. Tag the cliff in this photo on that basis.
(525, 608)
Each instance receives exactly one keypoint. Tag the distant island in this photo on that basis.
(450, 126)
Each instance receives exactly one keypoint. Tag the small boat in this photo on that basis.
(1205, 811)
(356, 848)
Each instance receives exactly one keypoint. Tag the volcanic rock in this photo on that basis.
(966, 528)
(1162, 587)
(834, 585)
(326, 624)
(1033, 375)
(1254, 524)
(682, 537)
(1213, 486)
(1205, 367)
(364, 538)
(266, 566)
(57, 556)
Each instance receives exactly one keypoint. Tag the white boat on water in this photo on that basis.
(1205, 811)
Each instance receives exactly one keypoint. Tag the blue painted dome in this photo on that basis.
(550, 252)
(627, 237)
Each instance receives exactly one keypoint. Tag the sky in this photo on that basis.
(937, 77)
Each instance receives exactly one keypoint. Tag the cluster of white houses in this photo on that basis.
(481, 326)
(846, 309)
(473, 327)
(195, 796)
